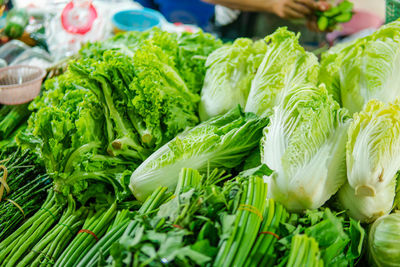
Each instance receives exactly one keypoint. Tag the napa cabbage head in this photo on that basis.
(373, 148)
(230, 70)
(305, 146)
(285, 64)
(221, 142)
(366, 209)
(364, 69)
(384, 241)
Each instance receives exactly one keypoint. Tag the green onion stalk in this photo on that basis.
(18, 244)
(304, 251)
(95, 226)
(11, 118)
(232, 252)
(28, 190)
(263, 252)
(124, 227)
(49, 248)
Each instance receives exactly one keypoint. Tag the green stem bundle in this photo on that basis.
(102, 248)
(48, 249)
(246, 225)
(18, 244)
(94, 227)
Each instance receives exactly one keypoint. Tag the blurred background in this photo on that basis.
(47, 31)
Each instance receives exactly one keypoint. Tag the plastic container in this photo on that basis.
(20, 84)
(136, 20)
(187, 12)
(392, 10)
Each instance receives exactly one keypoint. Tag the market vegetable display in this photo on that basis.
(137, 156)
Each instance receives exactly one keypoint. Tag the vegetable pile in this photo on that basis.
(162, 149)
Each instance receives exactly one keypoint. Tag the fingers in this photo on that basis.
(300, 8)
(322, 5)
(311, 4)
(293, 14)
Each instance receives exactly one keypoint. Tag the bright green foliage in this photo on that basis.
(339, 240)
(223, 141)
(329, 19)
(384, 241)
(230, 71)
(305, 146)
(121, 100)
(285, 65)
(364, 69)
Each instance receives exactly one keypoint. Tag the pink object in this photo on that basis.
(77, 17)
(361, 20)
(20, 84)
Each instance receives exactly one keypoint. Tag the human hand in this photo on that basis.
(296, 9)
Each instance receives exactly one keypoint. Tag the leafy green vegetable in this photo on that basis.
(328, 20)
(285, 65)
(364, 69)
(223, 141)
(339, 239)
(305, 146)
(372, 160)
(230, 70)
(384, 241)
(372, 147)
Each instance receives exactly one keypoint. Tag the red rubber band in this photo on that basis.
(270, 233)
(177, 226)
(89, 232)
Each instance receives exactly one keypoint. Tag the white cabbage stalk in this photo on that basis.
(384, 241)
(230, 70)
(366, 208)
(285, 64)
(373, 148)
(304, 145)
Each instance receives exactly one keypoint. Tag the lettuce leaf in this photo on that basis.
(223, 141)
